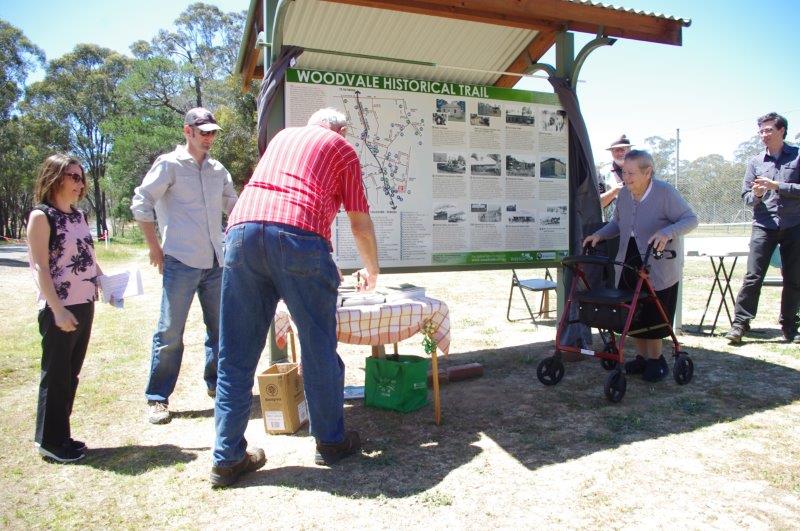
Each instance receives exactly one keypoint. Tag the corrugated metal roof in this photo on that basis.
(475, 49)
(685, 21)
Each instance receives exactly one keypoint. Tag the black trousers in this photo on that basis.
(762, 244)
(62, 359)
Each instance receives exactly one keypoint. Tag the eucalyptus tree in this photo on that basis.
(21, 150)
(79, 91)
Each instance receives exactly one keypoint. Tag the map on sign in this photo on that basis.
(386, 133)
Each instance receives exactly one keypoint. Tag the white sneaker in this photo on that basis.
(158, 413)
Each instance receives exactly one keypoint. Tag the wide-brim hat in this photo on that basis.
(620, 142)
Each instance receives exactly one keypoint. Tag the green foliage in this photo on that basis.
(18, 56)
(236, 146)
(747, 150)
(141, 133)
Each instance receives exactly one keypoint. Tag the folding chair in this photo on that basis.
(544, 285)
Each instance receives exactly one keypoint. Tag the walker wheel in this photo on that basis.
(608, 364)
(683, 370)
(615, 386)
(550, 371)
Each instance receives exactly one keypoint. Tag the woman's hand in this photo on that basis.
(659, 241)
(592, 241)
(64, 319)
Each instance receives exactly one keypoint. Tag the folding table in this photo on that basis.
(721, 283)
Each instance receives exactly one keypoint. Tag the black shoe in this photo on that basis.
(790, 335)
(77, 445)
(225, 476)
(655, 370)
(734, 336)
(635, 366)
(62, 454)
(328, 454)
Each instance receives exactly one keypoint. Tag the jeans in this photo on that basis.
(265, 262)
(762, 244)
(180, 283)
(62, 358)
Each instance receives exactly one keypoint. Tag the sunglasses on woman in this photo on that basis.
(76, 177)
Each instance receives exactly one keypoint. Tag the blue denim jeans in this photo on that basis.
(265, 262)
(180, 283)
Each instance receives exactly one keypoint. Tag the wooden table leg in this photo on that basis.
(437, 406)
(378, 351)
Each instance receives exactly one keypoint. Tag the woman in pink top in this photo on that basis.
(61, 252)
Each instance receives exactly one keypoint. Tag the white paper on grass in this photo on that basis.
(116, 288)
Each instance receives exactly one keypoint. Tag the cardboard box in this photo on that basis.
(283, 402)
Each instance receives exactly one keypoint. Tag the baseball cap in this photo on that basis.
(202, 119)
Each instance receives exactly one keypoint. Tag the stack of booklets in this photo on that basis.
(348, 296)
(403, 291)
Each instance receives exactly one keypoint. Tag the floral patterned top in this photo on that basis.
(73, 267)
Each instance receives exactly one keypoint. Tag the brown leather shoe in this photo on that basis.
(225, 476)
(328, 454)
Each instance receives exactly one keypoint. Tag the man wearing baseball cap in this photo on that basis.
(185, 192)
(611, 183)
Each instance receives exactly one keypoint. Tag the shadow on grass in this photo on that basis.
(255, 411)
(753, 335)
(10, 262)
(405, 455)
(135, 460)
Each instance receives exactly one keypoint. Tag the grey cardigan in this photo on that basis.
(663, 211)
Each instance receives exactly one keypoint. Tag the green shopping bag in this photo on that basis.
(400, 384)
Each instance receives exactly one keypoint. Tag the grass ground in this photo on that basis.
(720, 452)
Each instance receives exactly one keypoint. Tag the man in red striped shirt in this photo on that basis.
(278, 247)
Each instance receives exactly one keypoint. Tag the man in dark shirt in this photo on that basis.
(772, 187)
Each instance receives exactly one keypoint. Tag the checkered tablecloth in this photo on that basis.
(381, 324)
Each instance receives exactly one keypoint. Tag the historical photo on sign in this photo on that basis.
(492, 214)
(553, 121)
(553, 168)
(561, 210)
(449, 162)
(482, 121)
(520, 216)
(453, 110)
(484, 164)
(520, 166)
(520, 115)
(448, 212)
(489, 109)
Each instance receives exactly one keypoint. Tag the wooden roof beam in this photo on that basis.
(542, 15)
(530, 55)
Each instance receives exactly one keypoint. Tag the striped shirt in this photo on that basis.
(302, 179)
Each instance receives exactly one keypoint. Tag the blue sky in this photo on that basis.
(738, 61)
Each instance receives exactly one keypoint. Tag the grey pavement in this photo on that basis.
(14, 255)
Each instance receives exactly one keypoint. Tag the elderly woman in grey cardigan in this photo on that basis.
(648, 211)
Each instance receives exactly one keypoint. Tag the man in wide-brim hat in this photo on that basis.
(610, 184)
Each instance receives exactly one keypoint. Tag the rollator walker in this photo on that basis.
(614, 313)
